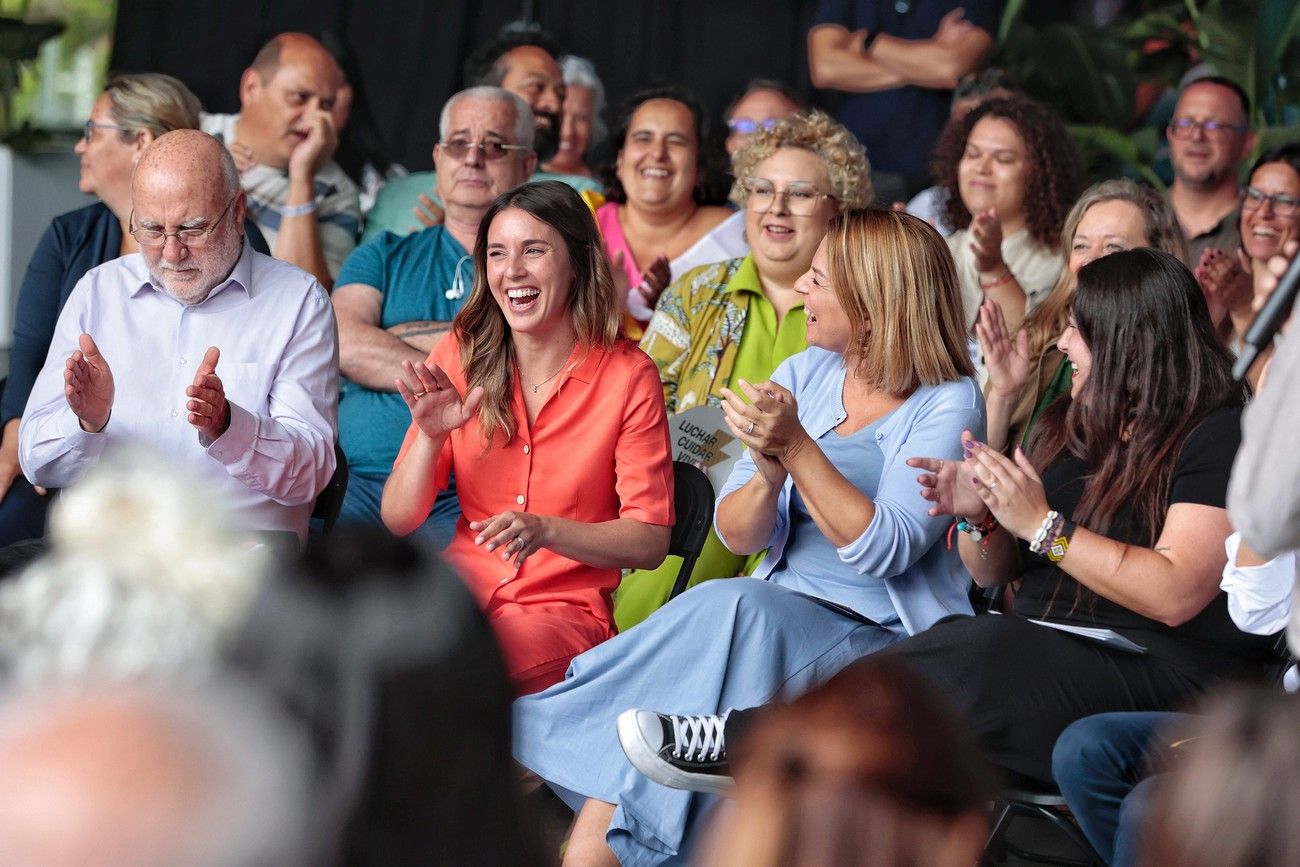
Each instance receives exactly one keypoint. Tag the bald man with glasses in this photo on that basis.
(216, 356)
(396, 295)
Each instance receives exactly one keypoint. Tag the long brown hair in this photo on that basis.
(894, 276)
(1161, 231)
(487, 352)
(1158, 370)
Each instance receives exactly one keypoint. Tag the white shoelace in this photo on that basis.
(697, 736)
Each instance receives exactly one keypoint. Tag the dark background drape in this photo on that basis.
(410, 53)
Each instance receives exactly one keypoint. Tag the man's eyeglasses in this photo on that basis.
(458, 148)
(1283, 205)
(1185, 128)
(88, 131)
(745, 126)
(192, 238)
(801, 199)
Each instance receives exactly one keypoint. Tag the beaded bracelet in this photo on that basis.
(1005, 277)
(1045, 532)
(1053, 538)
(979, 533)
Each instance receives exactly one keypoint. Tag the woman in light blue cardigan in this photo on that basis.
(854, 563)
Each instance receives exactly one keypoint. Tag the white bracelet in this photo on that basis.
(298, 210)
(1036, 546)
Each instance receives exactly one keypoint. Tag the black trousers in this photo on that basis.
(1019, 684)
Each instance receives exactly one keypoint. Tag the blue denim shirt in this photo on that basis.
(902, 546)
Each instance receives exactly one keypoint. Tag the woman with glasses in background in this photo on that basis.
(132, 111)
(1270, 217)
(737, 320)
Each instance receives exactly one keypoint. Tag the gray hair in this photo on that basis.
(524, 123)
(145, 577)
(251, 762)
(582, 72)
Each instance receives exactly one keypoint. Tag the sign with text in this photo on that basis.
(700, 436)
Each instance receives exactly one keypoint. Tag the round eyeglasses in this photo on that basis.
(800, 199)
(191, 238)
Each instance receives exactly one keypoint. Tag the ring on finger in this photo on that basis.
(750, 429)
(991, 485)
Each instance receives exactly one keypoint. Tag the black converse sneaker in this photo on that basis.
(681, 752)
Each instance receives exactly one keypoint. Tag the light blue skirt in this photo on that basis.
(734, 643)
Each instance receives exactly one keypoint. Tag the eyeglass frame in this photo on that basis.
(482, 146)
(738, 124)
(205, 230)
(1184, 128)
(748, 187)
(89, 127)
(1273, 200)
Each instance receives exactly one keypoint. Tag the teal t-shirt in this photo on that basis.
(416, 274)
(392, 210)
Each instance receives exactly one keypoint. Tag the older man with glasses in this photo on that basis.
(1209, 138)
(217, 356)
(396, 295)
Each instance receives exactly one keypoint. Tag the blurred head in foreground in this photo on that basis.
(1233, 795)
(873, 768)
(382, 653)
(145, 576)
(149, 776)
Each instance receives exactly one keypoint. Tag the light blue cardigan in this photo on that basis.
(903, 546)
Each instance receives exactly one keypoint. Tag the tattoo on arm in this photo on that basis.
(419, 329)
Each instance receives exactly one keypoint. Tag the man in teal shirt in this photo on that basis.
(520, 62)
(396, 295)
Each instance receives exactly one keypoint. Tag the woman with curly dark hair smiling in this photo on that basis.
(1011, 173)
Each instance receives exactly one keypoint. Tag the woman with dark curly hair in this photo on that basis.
(1011, 173)
(664, 197)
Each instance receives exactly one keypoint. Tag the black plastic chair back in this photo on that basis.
(693, 502)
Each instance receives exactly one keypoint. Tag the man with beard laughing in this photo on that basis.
(522, 62)
(216, 356)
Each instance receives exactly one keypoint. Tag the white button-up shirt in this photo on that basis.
(279, 367)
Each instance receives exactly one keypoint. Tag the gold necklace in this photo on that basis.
(535, 386)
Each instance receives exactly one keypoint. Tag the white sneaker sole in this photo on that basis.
(648, 762)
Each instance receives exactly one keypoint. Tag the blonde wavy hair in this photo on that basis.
(895, 278)
(487, 353)
(817, 132)
(1046, 321)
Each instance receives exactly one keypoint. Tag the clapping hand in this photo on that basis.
(768, 423)
(1011, 489)
(1007, 361)
(435, 404)
(947, 484)
(1226, 281)
(654, 280)
(207, 404)
(88, 385)
(986, 242)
